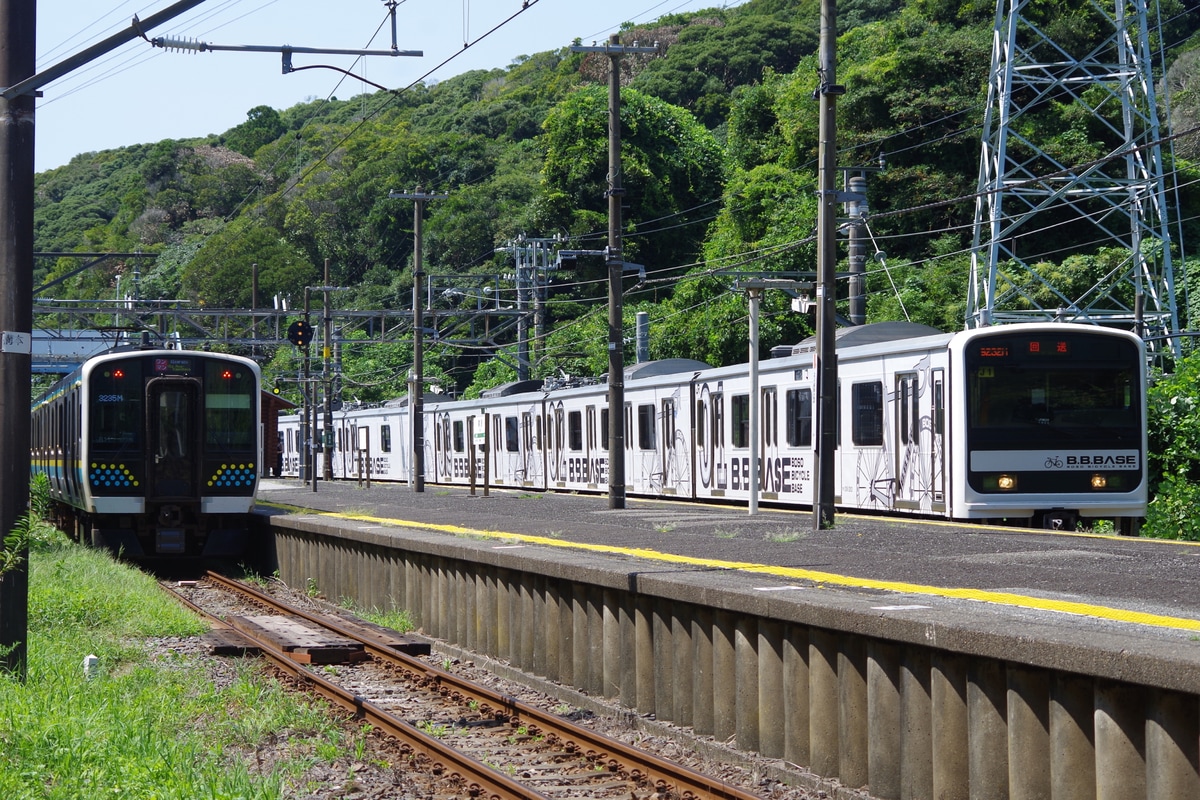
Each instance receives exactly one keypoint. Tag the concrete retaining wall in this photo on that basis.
(904, 702)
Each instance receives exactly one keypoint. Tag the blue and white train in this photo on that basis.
(1040, 424)
(153, 453)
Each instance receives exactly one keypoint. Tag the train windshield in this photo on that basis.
(116, 420)
(230, 394)
(1047, 388)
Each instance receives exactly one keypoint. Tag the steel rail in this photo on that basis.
(684, 781)
(482, 780)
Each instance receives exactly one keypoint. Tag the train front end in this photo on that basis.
(170, 452)
(1050, 425)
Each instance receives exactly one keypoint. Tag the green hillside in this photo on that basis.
(719, 138)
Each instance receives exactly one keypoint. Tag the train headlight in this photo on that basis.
(1006, 483)
(1099, 481)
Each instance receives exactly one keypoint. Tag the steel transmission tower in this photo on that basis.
(1035, 206)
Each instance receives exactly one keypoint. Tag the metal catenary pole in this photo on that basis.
(417, 395)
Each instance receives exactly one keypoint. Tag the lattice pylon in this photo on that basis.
(1115, 202)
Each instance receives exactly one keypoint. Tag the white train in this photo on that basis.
(1040, 424)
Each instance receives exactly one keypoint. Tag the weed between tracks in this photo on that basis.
(152, 722)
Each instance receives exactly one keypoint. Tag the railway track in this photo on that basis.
(465, 739)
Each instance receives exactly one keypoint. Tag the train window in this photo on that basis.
(459, 442)
(866, 422)
(668, 424)
(628, 426)
(646, 427)
(718, 421)
(770, 418)
(799, 413)
(603, 428)
(385, 438)
(907, 408)
(590, 427)
(527, 430)
(939, 403)
(174, 416)
(575, 430)
(230, 406)
(116, 404)
(740, 408)
(511, 433)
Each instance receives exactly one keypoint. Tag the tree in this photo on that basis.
(218, 274)
(672, 171)
(262, 126)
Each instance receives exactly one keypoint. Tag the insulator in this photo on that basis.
(180, 44)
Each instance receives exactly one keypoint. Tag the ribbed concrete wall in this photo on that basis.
(918, 703)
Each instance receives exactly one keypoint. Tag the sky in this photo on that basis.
(140, 94)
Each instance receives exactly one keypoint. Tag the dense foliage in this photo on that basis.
(720, 136)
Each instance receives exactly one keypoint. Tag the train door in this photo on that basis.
(531, 446)
(920, 429)
(173, 437)
(937, 458)
(555, 422)
(672, 473)
(590, 455)
(770, 471)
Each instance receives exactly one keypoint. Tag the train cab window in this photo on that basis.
(459, 440)
(385, 438)
(512, 441)
(645, 427)
(116, 405)
(866, 422)
(230, 406)
(740, 408)
(799, 413)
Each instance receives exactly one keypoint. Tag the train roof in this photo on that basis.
(513, 387)
(666, 366)
(874, 333)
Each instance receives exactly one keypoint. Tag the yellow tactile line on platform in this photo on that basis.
(830, 578)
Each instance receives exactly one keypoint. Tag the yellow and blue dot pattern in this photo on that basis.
(233, 475)
(111, 476)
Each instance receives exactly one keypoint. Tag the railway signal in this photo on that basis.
(300, 333)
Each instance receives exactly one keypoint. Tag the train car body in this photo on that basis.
(1038, 423)
(153, 453)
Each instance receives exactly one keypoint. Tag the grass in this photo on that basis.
(152, 723)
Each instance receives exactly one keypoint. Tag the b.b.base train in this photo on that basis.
(153, 453)
(1040, 424)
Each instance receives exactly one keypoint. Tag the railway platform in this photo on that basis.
(896, 657)
(1069, 578)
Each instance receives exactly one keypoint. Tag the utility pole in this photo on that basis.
(17, 34)
(416, 400)
(826, 356)
(616, 267)
(327, 325)
(19, 85)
